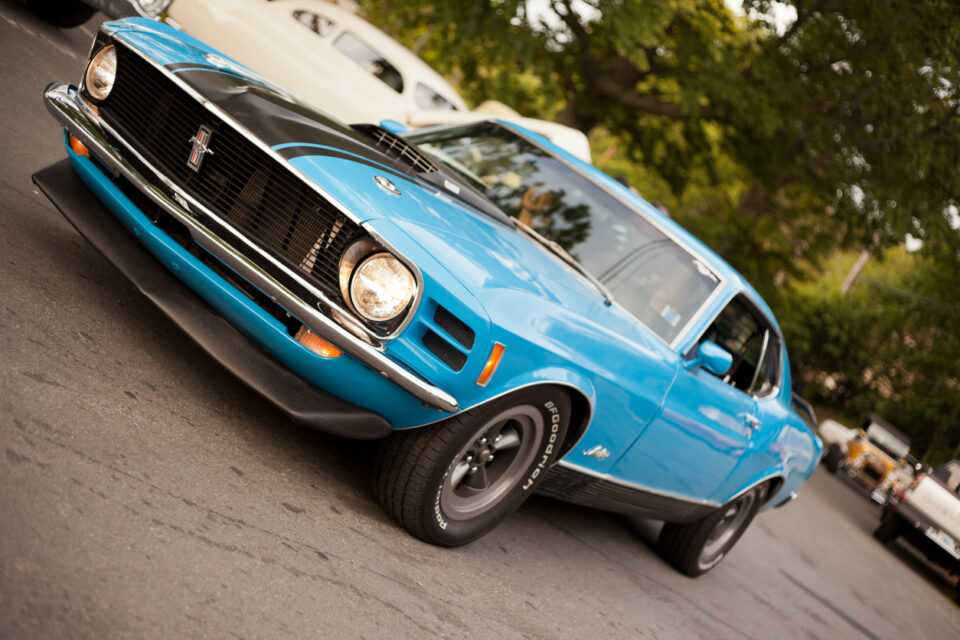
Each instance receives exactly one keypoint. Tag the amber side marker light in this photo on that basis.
(492, 363)
(317, 344)
(77, 146)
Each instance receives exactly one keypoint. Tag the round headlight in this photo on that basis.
(381, 288)
(101, 73)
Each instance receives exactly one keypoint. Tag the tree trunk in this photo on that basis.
(572, 117)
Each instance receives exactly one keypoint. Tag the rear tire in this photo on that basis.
(63, 14)
(833, 458)
(444, 484)
(699, 546)
(889, 528)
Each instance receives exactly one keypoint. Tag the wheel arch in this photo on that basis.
(581, 408)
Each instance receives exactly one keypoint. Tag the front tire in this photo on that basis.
(833, 458)
(699, 546)
(889, 528)
(450, 483)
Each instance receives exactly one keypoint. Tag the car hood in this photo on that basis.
(484, 254)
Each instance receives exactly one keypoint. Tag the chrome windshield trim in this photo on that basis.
(606, 477)
(569, 259)
(70, 111)
(270, 151)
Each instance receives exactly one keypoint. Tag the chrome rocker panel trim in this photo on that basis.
(65, 105)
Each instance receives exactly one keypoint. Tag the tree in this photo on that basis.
(890, 345)
(842, 129)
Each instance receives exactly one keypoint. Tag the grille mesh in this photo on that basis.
(238, 180)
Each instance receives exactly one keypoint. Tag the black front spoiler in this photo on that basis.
(302, 402)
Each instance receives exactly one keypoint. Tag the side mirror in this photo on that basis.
(711, 357)
(394, 127)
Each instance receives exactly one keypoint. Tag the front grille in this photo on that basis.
(873, 473)
(242, 183)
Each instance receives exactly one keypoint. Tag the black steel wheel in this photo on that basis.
(699, 546)
(451, 482)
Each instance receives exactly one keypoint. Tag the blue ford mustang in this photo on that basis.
(507, 318)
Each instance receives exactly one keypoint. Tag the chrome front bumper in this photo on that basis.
(66, 106)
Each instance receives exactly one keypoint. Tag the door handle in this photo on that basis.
(751, 421)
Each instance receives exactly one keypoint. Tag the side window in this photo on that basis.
(427, 98)
(321, 25)
(755, 347)
(373, 62)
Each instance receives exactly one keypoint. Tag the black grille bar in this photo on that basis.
(242, 183)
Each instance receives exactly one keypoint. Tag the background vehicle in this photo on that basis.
(414, 290)
(329, 56)
(927, 515)
(873, 453)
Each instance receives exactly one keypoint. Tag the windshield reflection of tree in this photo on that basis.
(525, 184)
(550, 214)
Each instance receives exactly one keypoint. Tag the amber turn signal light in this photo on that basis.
(492, 363)
(317, 344)
(77, 146)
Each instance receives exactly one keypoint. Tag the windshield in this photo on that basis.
(887, 441)
(647, 272)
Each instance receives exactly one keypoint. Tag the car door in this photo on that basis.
(707, 421)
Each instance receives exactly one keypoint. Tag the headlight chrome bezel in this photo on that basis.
(355, 259)
(104, 63)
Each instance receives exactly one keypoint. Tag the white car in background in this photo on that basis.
(329, 56)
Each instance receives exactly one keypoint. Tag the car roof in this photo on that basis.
(410, 66)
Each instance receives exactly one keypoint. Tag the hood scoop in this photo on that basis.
(397, 148)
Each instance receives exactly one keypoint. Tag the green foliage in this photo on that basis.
(778, 145)
(890, 345)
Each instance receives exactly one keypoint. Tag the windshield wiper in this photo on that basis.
(561, 253)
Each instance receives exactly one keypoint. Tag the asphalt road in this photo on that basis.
(145, 493)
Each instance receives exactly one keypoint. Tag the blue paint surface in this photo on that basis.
(673, 429)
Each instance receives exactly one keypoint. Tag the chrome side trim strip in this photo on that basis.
(65, 106)
(606, 477)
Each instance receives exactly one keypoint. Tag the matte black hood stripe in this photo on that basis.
(277, 118)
